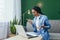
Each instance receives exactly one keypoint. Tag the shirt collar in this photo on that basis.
(38, 16)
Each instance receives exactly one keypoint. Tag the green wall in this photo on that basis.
(51, 8)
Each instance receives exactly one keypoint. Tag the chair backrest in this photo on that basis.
(29, 27)
(55, 26)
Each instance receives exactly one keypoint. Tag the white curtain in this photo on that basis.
(2, 8)
(10, 8)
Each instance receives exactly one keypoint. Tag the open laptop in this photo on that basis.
(22, 32)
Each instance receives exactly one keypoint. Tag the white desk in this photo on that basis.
(23, 38)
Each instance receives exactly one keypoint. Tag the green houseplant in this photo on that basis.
(12, 23)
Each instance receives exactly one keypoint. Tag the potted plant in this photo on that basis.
(12, 23)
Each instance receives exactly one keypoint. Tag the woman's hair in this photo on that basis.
(38, 9)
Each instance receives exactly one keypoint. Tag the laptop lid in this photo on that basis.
(20, 30)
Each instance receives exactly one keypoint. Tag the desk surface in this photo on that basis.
(18, 37)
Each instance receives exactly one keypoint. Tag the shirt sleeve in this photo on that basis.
(34, 27)
(46, 23)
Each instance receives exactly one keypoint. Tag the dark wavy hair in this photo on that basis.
(38, 9)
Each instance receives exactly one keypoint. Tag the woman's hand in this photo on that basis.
(30, 21)
(43, 27)
(38, 28)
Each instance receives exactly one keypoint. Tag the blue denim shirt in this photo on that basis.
(43, 31)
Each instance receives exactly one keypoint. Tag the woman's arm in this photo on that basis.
(46, 23)
(33, 25)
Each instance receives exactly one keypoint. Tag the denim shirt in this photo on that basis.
(43, 22)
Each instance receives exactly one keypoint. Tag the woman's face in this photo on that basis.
(34, 12)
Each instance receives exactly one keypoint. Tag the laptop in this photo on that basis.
(20, 30)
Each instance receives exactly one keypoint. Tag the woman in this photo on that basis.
(40, 23)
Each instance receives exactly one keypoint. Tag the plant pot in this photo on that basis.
(13, 30)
